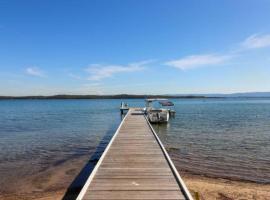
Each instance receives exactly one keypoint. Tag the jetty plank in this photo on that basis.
(135, 165)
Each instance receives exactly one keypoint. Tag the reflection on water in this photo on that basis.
(215, 137)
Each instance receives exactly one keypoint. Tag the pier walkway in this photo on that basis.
(134, 165)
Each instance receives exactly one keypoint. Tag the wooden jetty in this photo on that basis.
(123, 108)
(135, 165)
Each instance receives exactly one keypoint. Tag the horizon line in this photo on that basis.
(138, 95)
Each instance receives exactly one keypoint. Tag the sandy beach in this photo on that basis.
(53, 183)
(224, 189)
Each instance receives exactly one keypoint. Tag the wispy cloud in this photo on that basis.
(98, 71)
(195, 61)
(74, 76)
(256, 41)
(34, 71)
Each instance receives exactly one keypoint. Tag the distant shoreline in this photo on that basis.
(251, 95)
(120, 96)
(126, 96)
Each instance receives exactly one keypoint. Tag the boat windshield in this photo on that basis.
(158, 103)
(166, 103)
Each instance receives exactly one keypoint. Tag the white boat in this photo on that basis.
(158, 115)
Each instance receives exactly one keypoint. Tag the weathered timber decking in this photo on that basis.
(135, 165)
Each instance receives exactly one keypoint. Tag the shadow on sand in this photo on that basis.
(79, 181)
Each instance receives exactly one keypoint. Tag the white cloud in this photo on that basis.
(256, 41)
(34, 71)
(195, 61)
(98, 71)
(74, 76)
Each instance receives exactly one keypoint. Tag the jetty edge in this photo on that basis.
(135, 165)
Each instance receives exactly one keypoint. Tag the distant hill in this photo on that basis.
(131, 96)
(251, 94)
(244, 94)
(118, 96)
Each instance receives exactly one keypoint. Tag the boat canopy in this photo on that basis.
(157, 99)
(166, 103)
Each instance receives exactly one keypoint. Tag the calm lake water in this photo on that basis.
(227, 138)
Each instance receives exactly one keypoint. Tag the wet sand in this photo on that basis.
(52, 184)
(46, 185)
(224, 189)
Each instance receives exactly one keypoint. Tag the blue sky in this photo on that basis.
(138, 47)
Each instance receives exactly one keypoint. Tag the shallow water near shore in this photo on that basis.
(224, 138)
(221, 138)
